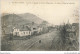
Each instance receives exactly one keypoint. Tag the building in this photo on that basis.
(21, 31)
(26, 30)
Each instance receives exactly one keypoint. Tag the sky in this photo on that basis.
(53, 11)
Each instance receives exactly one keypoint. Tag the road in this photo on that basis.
(33, 44)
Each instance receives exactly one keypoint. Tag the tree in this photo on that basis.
(76, 14)
(44, 23)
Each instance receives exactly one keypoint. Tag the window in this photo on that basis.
(24, 32)
(29, 32)
(34, 28)
(17, 33)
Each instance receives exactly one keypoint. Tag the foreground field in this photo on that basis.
(50, 41)
(33, 43)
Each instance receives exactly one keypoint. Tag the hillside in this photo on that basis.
(31, 17)
(11, 20)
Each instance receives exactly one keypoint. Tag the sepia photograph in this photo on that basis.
(39, 25)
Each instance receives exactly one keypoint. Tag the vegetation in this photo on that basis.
(6, 43)
(68, 39)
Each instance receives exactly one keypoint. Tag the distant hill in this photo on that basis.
(31, 17)
(11, 20)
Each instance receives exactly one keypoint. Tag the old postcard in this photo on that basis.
(39, 25)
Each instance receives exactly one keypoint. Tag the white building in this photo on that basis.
(24, 31)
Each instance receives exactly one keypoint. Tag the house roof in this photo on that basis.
(23, 28)
(32, 25)
(27, 26)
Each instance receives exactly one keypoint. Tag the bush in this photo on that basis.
(68, 39)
